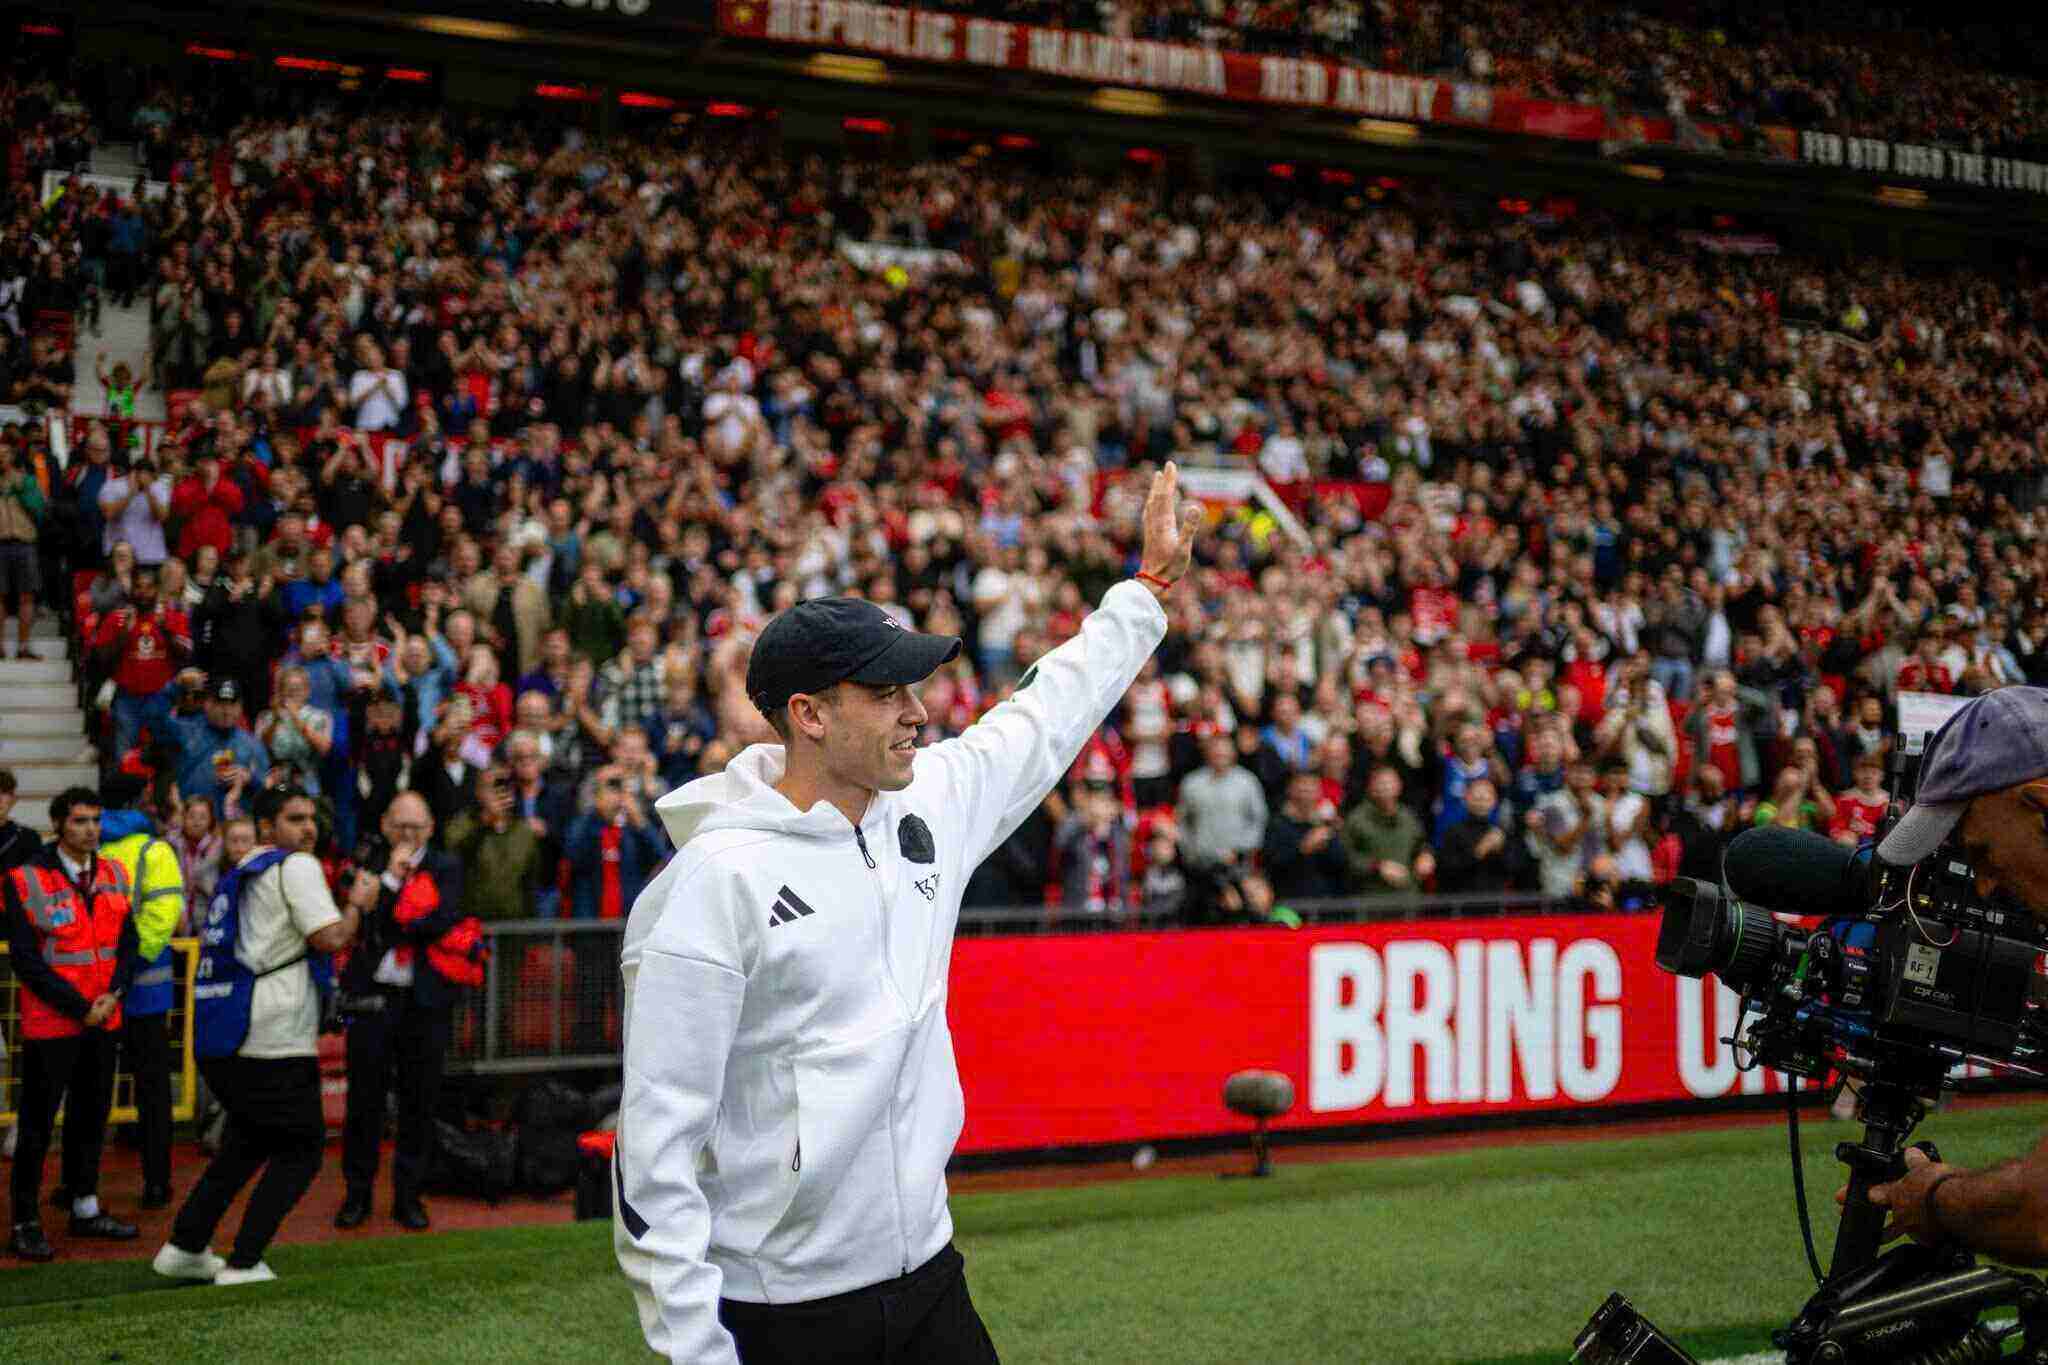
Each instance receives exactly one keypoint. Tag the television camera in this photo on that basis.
(1889, 981)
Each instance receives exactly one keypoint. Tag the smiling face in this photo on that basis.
(869, 733)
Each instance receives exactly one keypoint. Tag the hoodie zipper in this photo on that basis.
(889, 971)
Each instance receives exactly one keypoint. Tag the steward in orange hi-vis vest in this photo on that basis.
(77, 933)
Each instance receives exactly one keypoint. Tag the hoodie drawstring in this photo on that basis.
(859, 839)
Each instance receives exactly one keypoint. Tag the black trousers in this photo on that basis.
(401, 1047)
(923, 1318)
(82, 1067)
(146, 1049)
(274, 1126)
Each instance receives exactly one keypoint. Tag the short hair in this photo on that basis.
(8, 786)
(271, 801)
(70, 799)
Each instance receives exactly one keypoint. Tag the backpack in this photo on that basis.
(551, 1117)
(223, 989)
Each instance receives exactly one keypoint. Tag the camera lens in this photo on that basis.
(1704, 931)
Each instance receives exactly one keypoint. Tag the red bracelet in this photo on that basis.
(1152, 578)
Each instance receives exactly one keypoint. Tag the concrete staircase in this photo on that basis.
(42, 728)
(123, 332)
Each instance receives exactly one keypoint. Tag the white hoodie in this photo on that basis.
(791, 1097)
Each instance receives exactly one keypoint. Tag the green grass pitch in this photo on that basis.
(1496, 1254)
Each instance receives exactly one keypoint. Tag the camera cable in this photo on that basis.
(1799, 1180)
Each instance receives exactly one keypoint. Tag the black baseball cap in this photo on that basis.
(829, 640)
(224, 689)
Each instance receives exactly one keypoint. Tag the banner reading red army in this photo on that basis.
(1307, 82)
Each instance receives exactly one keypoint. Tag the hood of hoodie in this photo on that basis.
(119, 824)
(743, 796)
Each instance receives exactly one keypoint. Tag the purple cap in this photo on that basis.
(1997, 741)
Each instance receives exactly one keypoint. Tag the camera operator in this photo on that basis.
(400, 1008)
(1983, 789)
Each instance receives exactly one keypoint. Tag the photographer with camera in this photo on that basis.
(1983, 789)
(399, 1007)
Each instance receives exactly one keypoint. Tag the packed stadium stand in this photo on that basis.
(1613, 428)
(1549, 549)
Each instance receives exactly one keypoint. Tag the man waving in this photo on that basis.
(791, 1097)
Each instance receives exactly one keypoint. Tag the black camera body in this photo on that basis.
(1928, 968)
(1908, 974)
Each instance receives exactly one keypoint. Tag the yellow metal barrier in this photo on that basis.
(184, 1073)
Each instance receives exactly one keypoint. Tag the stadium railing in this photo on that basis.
(551, 996)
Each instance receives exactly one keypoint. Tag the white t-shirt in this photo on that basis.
(377, 410)
(279, 909)
(730, 416)
(1632, 857)
(998, 594)
(137, 523)
(1284, 458)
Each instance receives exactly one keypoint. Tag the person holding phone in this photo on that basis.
(612, 850)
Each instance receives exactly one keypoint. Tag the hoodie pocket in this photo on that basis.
(842, 1164)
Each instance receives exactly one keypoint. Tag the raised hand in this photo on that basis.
(1169, 528)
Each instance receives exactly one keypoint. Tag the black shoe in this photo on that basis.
(103, 1225)
(29, 1244)
(412, 1214)
(354, 1209)
(156, 1196)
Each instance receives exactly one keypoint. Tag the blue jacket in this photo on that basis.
(304, 592)
(641, 851)
(199, 742)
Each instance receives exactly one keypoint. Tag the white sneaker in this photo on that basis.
(255, 1274)
(176, 1264)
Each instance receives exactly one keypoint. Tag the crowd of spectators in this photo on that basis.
(64, 258)
(502, 448)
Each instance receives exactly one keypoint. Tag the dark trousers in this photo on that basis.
(923, 1318)
(401, 1047)
(146, 1049)
(81, 1066)
(274, 1126)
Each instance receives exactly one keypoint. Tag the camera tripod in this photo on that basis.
(1912, 1305)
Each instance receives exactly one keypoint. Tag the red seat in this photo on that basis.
(545, 966)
